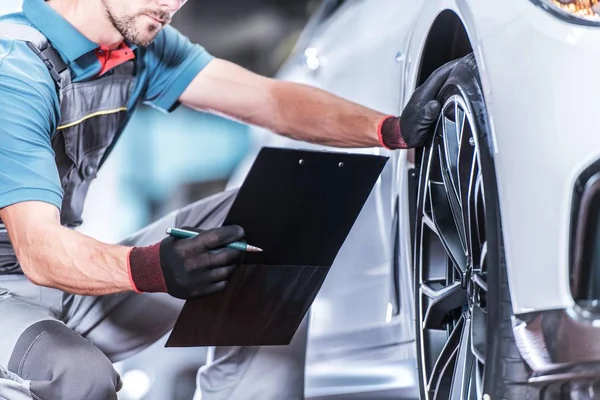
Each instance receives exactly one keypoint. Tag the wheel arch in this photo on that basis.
(446, 40)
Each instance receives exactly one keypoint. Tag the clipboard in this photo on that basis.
(299, 206)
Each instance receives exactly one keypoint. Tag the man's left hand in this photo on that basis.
(413, 128)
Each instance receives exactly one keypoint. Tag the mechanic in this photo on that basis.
(72, 72)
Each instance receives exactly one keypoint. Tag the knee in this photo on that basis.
(61, 364)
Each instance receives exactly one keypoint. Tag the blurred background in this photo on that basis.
(165, 161)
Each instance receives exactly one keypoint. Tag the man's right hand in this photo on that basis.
(186, 268)
(413, 128)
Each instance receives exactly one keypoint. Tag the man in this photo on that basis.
(71, 74)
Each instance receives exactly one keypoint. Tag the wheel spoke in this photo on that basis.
(445, 227)
(446, 356)
(451, 146)
(480, 282)
(479, 381)
(472, 389)
(460, 118)
(466, 154)
(441, 389)
(470, 210)
(427, 220)
(441, 302)
(482, 259)
(464, 363)
(435, 261)
(478, 339)
(480, 208)
(453, 200)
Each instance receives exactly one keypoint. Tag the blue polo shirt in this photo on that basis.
(29, 104)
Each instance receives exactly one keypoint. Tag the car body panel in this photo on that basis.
(546, 135)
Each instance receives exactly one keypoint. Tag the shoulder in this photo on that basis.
(172, 61)
(21, 70)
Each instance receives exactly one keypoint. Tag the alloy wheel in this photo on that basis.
(451, 252)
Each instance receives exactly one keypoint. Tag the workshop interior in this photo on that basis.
(472, 268)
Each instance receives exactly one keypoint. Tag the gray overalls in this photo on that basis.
(55, 345)
(93, 115)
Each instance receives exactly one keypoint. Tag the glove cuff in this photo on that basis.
(389, 133)
(145, 272)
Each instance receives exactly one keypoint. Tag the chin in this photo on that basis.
(144, 40)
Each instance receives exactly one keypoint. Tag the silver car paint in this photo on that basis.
(358, 309)
(370, 52)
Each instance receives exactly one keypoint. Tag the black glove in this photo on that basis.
(187, 268)
(413, 127)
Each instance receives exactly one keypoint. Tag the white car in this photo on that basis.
(473, 270)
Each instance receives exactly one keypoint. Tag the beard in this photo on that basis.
(135, 28)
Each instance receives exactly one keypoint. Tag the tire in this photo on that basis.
(463, 313)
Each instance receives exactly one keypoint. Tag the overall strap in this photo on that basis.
(40, 45)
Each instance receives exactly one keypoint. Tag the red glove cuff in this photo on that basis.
(145, 272)
(389, 133)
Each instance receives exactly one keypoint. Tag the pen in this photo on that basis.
(185, 234)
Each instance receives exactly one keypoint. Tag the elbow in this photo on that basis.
(34, 262)
(35, 232)
(33, 272)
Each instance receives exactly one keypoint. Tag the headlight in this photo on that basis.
(586, 12)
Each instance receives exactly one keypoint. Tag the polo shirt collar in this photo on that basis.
(64, 37)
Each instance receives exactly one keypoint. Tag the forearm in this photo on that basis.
(64, 259)
(313, 115)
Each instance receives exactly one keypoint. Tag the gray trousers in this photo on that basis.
(59, 346)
